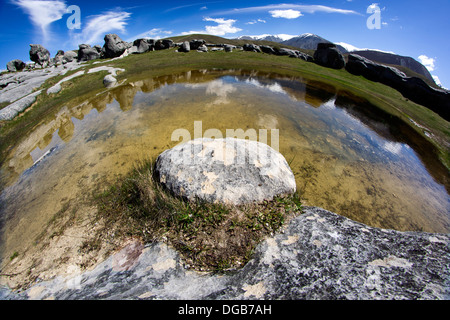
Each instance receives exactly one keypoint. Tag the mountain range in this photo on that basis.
(309, 41)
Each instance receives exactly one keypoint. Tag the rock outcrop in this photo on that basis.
(233, 171)
(328, 55)
(412, 88)
(69, 56)
(251, 47)
(87, 53)
(39, 54)
(185, 47)
(114, 46)
(143, 45)
(319, 255)
(15, 65)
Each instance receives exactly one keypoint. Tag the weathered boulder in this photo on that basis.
(228, 47)
(267, 49)
(58, 59)
(251, 47)
(163, 44)
(143, 45)
(202, 48)
(196, 43)
(39, 54)
(114, 46)
(69, 56)
(328, 55)
(87, 53)
(412, 88)
(15, 65)
(185, 47)
(233, 171)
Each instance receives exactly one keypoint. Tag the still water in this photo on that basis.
(347, 156)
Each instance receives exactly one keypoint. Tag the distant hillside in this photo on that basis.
(393, 59)
(309, 41)
(236, 42)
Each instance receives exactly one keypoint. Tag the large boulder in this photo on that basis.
(196, 43)
(231, 171)
(251, 47)
(185, 47)
(163, 44)
(15, 65)
(328, 55)
(39, 54)
(412, 88)
(143, 45)
(69, 56)
(114, 46)
(87, 53)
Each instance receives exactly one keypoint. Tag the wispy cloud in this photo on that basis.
(223, 27)
(256, 21)
(155, 33)
(99, 25)
(287, 14)
(42, 13)
(285, 6)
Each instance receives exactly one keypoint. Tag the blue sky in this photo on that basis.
(411, 28)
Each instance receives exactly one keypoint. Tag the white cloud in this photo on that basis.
(427, 62)
(299, 7)
(99, 25)
(223, 27)
(287, 14)
(43, 12)
(155, 33)
(256, 21)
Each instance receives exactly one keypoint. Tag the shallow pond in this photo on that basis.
(347, 156)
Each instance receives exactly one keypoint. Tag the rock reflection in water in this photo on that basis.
(348, 156)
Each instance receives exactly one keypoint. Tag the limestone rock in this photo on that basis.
(86, 53)
(109, 81)
(319, 255)
(39, 54)
(233, 171)
(328, 55)
(412, 88)
(185, 47)
(251, 47)
(69, 56)
(114, 46)
(15, 65)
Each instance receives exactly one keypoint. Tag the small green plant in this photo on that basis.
(14, 255)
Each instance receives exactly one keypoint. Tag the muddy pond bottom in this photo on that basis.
(347, 157)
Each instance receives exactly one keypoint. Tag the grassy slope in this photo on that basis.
(168, 61)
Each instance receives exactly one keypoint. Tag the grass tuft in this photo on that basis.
(209, 236)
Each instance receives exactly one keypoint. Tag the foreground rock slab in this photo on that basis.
(319, 255)
(232, 171)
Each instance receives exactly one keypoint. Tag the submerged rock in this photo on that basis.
(233, 171)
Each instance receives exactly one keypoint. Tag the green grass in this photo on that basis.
(210, 236)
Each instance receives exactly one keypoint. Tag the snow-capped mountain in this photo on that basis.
(309, 41)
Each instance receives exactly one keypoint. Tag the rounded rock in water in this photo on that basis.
(230, 171)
